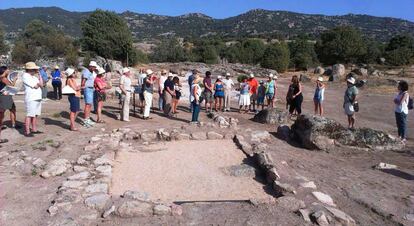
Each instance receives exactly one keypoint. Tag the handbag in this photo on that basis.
(67, 90)
(355, 104)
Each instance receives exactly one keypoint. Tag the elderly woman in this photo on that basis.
(33, 97)
(74, 99)
(195, 98)
(100, 86)
(126, 89)
(244, 99)
(401, 101)
(350, 100)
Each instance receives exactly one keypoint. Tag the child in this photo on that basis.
(261, 93)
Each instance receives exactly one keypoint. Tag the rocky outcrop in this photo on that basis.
(271, 116)
(319, 70)
(315, 132)
(338, 72)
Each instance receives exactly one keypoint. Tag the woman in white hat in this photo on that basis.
(350, 100)
(218, 94)
(33, 97)
(319, 96)
(270, 90)
(74, 98)
(195, 96)
(100, 86)
(244, 99)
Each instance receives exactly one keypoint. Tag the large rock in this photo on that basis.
(98, 201)
(361, 72)
(315, 132)
(304, 78)
(342, 217)
(338, 72)
(271, 116)
(323, 198)
(259, 136)
(319, 70)
(133, 208)
(291, 203)
(56, 167)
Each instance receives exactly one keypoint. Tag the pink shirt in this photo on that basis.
(100, 81)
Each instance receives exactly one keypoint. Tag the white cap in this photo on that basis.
(149, 71)
(125, 70)
(228, 74)
(270, 75)
(219, 77)
(320, 79)
(351, 80)
(69, 71)
(251, 75)
(57, 67)
(93, 64)
(101, 71)
(170, 74)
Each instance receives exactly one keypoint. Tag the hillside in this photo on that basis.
(251, 23)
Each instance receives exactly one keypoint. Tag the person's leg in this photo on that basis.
(398, 121)
(226, 100)
(34, 123)
(99, 111)
(60, 90)
(1, 120)
(403, 126)
(95, 100)
(72, 120)
(221, 103)
(147, 97)
(215, 103)
(316, 106)
(54, 90)
(126, 106)
(196, 112)
(27, 122)
(13, 116)
(160, 102)
(320, 109)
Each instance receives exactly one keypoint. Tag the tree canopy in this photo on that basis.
(276, 56)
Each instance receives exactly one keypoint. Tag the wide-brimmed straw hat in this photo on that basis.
(320, 79)
(31, 66)
(101, 71)
(351, 80)
(57, 67)
(69, 71)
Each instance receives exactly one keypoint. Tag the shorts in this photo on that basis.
(260, 100)
(253, 97)
(270, 96)
(33, 108)
(349, 109)
(74, 103)
(100, 96)
(6, 103)
(88, 94)
(208, 96)
(318, 101)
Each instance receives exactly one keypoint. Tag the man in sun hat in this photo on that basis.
(350, 98)
(161, 81)
(253, 84)
(88, 78)
(169, 93)
(126, 89)
(228, 86)
(33, 84)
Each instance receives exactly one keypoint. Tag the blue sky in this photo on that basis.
(225, 8)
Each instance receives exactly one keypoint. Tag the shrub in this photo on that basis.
(276, 56)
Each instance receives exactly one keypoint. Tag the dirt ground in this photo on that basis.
(371, 197)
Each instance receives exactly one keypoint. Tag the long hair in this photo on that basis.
(295, 80)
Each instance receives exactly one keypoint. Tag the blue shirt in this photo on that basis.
(43, 73)
(56, 76)
(86, 74)
(190, 80)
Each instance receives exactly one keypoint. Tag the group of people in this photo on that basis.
(252, 95)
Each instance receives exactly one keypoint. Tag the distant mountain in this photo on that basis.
(252, 23)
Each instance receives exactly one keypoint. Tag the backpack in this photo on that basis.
(410, 104)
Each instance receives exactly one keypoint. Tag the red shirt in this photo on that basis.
(100, 81)
(253, 85)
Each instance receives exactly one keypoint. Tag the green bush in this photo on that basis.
(169, 50)
(3, 47)
(302, 54)
(400, 50)
(276, 56)
(71, 56)
(240, 78)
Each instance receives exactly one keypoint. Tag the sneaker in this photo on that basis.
(88, 123)
(91, 122)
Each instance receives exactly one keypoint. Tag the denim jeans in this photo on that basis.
(161, 102)
(401, 119)
(196, 111)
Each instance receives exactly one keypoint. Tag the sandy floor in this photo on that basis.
(187, 170)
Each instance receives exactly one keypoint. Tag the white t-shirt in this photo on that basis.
(162, 80)
(141, 78)
(228, 84)
(192, 97)
(403, 106)
(126, 81)
(31, 93)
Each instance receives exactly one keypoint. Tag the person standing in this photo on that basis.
(88, 77)
(261, 94)
(176, 98)
(208, 91)
(350, 98)
(148, 92)
(319, 96)
(244, 100)
(253, 84)
(161, 82)
(57, 83)
(218, 94)
(296, 98)
(169, 93)
(190, 83)
(6, 100)
(45, 78)
(142, 75)
(271, 91)
(195, 95)
(401, 109)
(33, 84)
(126, 89)
(228, 86)
(74, 99)
(100, 87)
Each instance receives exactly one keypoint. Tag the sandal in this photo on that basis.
(100, 121)
(37, 132)
(2, 141)
(74, 129)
